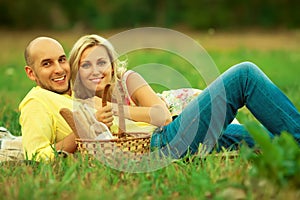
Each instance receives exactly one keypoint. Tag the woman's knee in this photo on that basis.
(247, 66)
(249, 70)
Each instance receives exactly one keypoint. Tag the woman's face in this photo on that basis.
(95, 69)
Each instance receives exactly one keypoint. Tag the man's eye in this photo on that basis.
(46, 64)
(62, 60)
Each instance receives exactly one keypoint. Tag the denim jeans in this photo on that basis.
(207, 119)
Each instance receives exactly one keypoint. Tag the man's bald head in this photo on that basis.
(35, 44)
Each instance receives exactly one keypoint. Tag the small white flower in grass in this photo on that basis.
(9, 71)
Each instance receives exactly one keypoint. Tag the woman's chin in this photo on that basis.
(96, 88)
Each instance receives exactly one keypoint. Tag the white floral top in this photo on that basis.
(178, 99)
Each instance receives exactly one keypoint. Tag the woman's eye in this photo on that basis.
(101, 63)
(85, 65)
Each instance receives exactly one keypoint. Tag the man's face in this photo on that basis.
(50, 68)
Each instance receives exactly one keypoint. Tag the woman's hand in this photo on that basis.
(105, 115)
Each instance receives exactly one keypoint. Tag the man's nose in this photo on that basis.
(58, 67)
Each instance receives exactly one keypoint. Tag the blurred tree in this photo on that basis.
(107, 14)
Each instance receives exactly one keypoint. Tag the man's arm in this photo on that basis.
(39, 132)
(67, 144)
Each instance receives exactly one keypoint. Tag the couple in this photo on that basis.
(93, 63)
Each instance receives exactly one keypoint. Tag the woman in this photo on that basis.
(205, 120)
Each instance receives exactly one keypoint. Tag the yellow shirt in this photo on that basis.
(42, 125)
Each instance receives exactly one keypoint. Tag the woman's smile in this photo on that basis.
(96, 80)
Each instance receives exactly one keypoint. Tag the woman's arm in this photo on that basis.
(150, 108)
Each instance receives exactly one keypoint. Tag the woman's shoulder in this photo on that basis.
(131, 82)
(131, 76)
(128, 73)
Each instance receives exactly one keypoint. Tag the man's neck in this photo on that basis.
(69, 92)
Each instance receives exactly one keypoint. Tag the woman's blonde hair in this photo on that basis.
(87, 41)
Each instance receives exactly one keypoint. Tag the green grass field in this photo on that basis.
(248, 176)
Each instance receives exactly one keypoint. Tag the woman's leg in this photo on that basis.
(205, 119)
(232, 137)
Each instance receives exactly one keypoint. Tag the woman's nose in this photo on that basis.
(98, 69)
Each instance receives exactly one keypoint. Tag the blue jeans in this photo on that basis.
(207, 119)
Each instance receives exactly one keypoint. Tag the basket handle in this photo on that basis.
(120, 101)
(104, 96)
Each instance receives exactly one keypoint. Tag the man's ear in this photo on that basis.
(30, 73)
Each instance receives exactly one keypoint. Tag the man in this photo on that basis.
(43, 128)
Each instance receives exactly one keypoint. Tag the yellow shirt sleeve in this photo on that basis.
(37, 131)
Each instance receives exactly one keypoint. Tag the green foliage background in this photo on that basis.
(106, 14)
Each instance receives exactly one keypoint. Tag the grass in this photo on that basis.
(246, 176)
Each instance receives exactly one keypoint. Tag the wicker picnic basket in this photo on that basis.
(123, 147)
